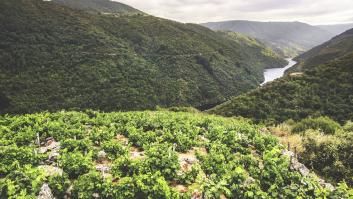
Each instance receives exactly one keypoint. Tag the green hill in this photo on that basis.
(100, 6)
(336, 48)
(287, 38)
(323, 90)
(146, 155)
(53, 57)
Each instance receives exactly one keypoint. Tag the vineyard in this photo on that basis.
(147, 155)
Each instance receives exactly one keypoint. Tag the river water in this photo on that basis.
(275, 73)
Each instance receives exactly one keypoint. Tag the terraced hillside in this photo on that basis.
(53, 57)
(146, 155)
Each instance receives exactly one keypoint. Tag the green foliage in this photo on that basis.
(152, 186)
(348, 126)
(163, 159)
(322, 124)
(109, 63)
(75, 164)
(87, 185)
(13, 157)
(100, 6)
(336, 48)
(330, 155)
(59, 184)
(114, 149)
(23, 182)
(99, 135)
(71, 145)
(326, 90)
(224, 156)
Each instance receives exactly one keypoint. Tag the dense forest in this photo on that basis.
(53, 57)
(147, 155)
(339, 46)
(324, 90)
(100, 6)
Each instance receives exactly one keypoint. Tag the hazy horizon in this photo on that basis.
(324, 12)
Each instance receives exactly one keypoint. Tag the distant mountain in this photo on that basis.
(286, 38)
(99, 6)
(323, 87)
(336, 48)
(337, 28)
(53, 57)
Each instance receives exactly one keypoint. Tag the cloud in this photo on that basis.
(197, 11)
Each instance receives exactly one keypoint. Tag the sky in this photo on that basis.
(198, 11)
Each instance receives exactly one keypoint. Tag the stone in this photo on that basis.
(45, 192)
(103, 168)
(53, 146)
(51, 170)
(295, 165)
(181, 188)
(102, 156)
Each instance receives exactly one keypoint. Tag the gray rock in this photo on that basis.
(45, 192)
(53, 146)
(102, 155)
(51, 170)
(295, 165)
(102, 168)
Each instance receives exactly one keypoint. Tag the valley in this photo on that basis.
(101, 100)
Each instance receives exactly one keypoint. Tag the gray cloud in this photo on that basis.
(197, 11)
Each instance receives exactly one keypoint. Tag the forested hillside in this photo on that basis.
(336, 48)
(100, 6)
(324, 90)
(287, 38)
(147, 155)
(53, 57)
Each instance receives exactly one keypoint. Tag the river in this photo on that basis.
(275, 73)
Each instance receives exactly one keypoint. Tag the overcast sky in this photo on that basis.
(197, 11)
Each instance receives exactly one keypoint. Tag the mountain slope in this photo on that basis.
(324, 90)
(99, 6)
(336, 48)
(53, 57)
(287, 38)
(336, 29)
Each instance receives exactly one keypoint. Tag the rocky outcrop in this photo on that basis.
(295, 165)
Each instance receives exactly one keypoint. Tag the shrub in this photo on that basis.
(99, 135)
(329, 155)
(87, 185)
(59, 184)
(114, 149)
(71, 145)
(75, 164)
(160, 157)
(348, 126)
(11, 156)
(323, 124)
